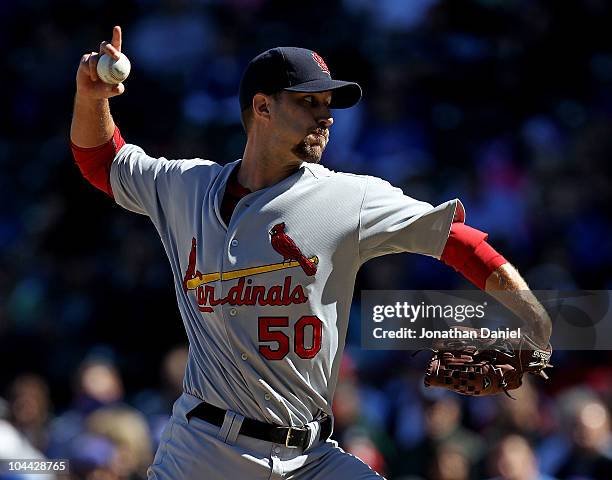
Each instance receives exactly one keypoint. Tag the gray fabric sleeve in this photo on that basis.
(147, 185)
(391, 222)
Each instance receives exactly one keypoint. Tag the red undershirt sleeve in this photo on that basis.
(468, 253)
(95, 162)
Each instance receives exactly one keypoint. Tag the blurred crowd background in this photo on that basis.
(505, 104)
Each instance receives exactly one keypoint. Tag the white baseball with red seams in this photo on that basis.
(113, 71)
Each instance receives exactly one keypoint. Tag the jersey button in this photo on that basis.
(233, 312)
(276, 449)
(244, 356)
(267, 396)
(234, 243)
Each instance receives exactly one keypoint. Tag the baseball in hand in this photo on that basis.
(113, 71)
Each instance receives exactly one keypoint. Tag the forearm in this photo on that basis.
(507, 286)
(92, 123)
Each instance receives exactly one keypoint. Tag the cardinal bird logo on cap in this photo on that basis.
(284, 244)
(317, 58)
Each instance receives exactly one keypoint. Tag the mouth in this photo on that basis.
(320, 137)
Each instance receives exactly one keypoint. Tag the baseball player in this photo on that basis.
(264, 253)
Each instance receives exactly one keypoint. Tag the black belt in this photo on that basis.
(292, 437)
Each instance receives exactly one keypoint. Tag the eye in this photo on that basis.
(308, 99)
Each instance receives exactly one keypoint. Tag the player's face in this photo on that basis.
(303, 120)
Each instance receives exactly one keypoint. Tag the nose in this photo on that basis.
(327, 121)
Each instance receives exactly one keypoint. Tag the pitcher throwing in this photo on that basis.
(264, 251)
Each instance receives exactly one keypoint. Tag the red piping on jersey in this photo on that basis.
(468, 253)
(95, 162)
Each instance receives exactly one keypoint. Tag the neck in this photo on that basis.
(262, 167)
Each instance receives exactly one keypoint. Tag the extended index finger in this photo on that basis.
(116, 41)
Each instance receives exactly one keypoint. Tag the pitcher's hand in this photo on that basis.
(89, 85)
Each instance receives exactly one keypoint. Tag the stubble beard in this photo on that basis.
(311, 148)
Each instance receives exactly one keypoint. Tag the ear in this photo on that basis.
(261, 106)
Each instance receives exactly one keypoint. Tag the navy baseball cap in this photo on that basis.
(296, 70)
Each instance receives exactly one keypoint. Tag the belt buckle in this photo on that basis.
(290, 429)
(289, 438)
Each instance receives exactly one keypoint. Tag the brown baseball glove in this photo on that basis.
(484, 366)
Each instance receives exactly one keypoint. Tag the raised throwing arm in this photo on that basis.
(92, 123)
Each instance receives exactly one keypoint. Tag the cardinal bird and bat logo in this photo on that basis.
(284, 244)
(244, 293)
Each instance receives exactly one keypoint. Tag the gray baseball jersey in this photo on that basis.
(265, 300)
